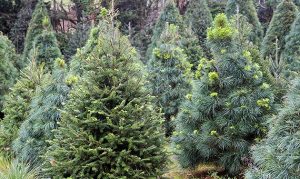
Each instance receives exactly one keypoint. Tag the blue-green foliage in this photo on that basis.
(42, 118)
(224, 114)
(277, 156)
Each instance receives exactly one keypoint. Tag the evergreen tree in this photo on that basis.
(223, 115)
(291, 52)
(170, 15)
(198, 16)
(274, 41)
(169, 73)
(8, 72)
(274, 3)
(277, 156)
(109, 113)
(247, 9)
(42, 118)
(17, 104)
(35, 28)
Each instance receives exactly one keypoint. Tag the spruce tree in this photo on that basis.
(169, 73)
(274, 41)
(247, 9)
(170, 15)
(35, 28)
(8, 72)
(198, 16)
(42, 118)
(110, 114)
(277, 156)
(291, 52)
(17, 104)
(223, 115)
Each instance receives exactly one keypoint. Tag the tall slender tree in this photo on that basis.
(225, 112)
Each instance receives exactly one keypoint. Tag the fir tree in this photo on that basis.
(198, 16)
(109, 113)
(8, 72)
(247, 9)
(274, 41)
(42, 118)
(35, 28)
(223, 115)
(17, 104)
(169, 73)
(169, 15)
(291, 52)
(277, 156)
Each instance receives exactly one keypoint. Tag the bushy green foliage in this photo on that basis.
(169, 15)
(42, 118)
(291, 52)
(274, 3)
(169, 72)
(35, 28)
(8, 72)
(17, 104)
(277, 156)
(247, 9)
(109, 114)
(225, 112)
(279, 27)
(198, 16)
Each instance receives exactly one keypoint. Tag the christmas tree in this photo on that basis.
(110, 114)
(277, 156)
(169, 73)
(225, 112)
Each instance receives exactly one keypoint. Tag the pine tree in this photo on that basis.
(42, 118)
(247, 9)
(109, 113)
(17, 104)
(223, 115)
(279, 27)
(198, 16)
(169, 15)
(8, 72)
(277, 156)
(291, 52)
(169, 73)
(35, 28)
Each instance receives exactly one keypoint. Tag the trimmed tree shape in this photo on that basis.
(42, 118)
(169, 15)
(247, 9)
(291, 52)
(109, 113)
(8, 72)
(45, 46)
(17, 104)
(169, 73)
(274, 41)
(35, 28)
(223, 115)
(198, 16)
(277, 156)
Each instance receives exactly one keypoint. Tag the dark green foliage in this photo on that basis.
(17, 104)
(274, 3)
(224, 114)
(8, 72)
(169, 15)
(291, 52)
(198, 16)
(217, 7)
(42, 118)
(109, 128)
(277, 156)
(169, 72)
(279, 27)
(247, 9)
(8, 11)
(35, 28)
